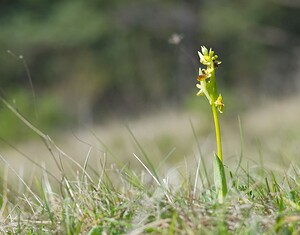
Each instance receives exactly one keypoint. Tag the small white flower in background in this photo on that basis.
(175, 39)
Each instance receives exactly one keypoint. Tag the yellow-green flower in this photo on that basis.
(203, 75)
(208, 57)
(219, 103)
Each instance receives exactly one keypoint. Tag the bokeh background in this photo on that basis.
(93, 61)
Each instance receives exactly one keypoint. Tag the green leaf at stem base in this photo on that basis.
(219, 179)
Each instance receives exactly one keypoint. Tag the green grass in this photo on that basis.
(111, 197)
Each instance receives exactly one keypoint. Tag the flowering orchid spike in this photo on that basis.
(206, 77)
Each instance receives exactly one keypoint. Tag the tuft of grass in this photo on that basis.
(254, 205)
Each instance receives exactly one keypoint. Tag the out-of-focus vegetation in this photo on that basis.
(93, 59)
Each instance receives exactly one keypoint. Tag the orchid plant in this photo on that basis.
(208, 87)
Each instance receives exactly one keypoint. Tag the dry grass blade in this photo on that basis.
(196, 179)
(147, 169)
(20, 178)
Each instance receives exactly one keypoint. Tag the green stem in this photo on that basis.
(218, 131)
(214, 85)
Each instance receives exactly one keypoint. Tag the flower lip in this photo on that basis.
(203, 74)
(202, 77)
(216, 63)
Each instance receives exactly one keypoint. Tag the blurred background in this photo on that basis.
(86, 62)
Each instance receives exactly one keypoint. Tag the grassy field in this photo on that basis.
(153, 175)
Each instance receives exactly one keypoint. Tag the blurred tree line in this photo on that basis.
(90, 58)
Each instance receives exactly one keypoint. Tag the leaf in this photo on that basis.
(220, 179)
